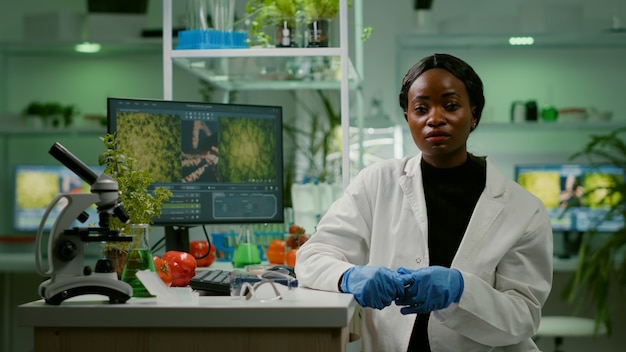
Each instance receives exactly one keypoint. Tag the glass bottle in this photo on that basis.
(246, 250)
(139, 258)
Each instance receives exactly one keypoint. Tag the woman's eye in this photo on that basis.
(420, 109)
(452, 106)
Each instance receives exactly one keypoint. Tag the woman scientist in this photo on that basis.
(442, 250)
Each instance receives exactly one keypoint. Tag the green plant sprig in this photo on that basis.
(142, 206)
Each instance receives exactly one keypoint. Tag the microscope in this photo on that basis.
(68, 275)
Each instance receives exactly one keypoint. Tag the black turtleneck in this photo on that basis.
(451, 195)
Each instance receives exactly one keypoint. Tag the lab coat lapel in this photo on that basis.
(411, 184)
(489, 206)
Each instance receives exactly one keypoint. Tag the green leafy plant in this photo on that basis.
(318, 9)
(142, 206)
(327, 9)
(262, 13)
(49, 110)
(601, 270)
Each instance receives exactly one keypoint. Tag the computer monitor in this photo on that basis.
(222, 162)
(36, 186)
(576, 196)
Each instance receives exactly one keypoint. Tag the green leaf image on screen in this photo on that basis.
(154, 141)
(544, 185)
(36, 189)
(247, 150)
(599, 190)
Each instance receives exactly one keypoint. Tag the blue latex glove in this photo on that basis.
(372, 286)
(430, 288)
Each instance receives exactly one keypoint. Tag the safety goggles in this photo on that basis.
(268, 286)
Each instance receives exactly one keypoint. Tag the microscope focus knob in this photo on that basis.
(83, 217)
(104, 265)
(66, 251)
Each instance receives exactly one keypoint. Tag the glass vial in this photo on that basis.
(139, 258)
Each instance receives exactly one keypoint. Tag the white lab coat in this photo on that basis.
(505, 258)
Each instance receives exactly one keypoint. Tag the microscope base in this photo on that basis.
(56, 291)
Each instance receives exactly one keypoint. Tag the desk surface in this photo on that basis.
(300, 308)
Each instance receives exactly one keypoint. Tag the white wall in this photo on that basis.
(383, 75)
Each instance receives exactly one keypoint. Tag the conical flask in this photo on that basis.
(246, 250)
(139, 258)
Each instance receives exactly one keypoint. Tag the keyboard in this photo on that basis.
(215, 281)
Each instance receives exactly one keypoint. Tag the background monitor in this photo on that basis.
(576, 196)
(35, 186)
(222, 162)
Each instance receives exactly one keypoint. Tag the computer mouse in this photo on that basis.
(283, 269)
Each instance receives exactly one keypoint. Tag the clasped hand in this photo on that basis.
(418, 291)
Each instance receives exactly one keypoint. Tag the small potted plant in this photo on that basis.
(318, 16)
(279, 14)
(52, 114)
(141, 205)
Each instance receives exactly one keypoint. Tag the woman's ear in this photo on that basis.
(405, 117)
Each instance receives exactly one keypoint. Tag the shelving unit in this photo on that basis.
(194, 61)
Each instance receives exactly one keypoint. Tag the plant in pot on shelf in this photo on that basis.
(51, 114)
(600, 276)
(318, 16)
(141, 205)
(277, 14)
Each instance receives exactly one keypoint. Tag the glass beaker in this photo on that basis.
(223, 14)
(139, 258)
(246, 250)
(198, 14)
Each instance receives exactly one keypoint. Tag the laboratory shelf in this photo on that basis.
(256, 52)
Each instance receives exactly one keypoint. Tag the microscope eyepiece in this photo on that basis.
(73, 163)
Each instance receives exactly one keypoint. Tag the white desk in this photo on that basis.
(305, 320)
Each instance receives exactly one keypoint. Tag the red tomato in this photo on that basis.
(182, 265)
(276, 252)
(295, 229)
(200, 251)
(296, 240)
(290, 258)
(163, 269)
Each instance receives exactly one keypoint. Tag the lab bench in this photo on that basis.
(306, 320)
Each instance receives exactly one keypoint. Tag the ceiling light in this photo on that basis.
(87, 48)
(521, 40)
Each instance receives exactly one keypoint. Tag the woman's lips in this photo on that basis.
(436, 137)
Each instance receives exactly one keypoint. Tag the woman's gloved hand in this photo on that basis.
(372, 286)
(428, 289)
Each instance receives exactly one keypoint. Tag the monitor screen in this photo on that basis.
(576, 196)
(222, 162)
(36, 186)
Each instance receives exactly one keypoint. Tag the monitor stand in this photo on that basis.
(177, 238)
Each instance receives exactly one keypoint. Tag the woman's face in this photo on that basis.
(440, 117)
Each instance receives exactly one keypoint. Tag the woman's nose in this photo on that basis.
(435, 117)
